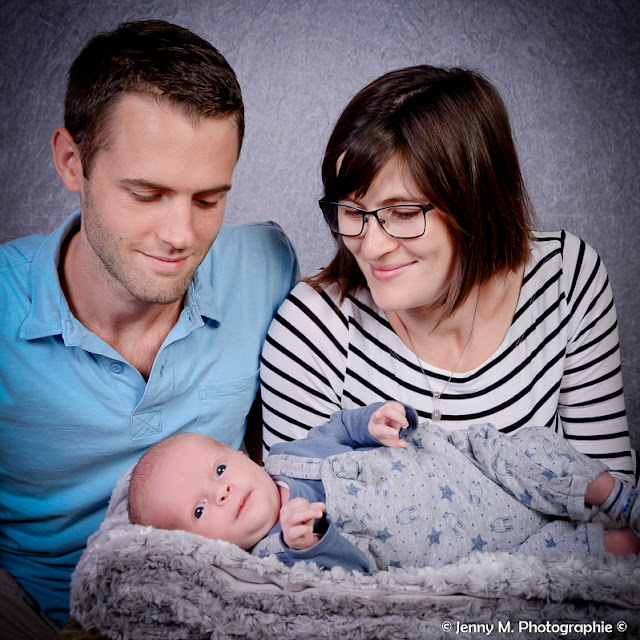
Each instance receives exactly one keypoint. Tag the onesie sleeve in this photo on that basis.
(332, 550)
(345, 431)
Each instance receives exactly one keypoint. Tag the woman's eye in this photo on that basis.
(220, 469)
(199, 511)
(405, 213)
(349, 212)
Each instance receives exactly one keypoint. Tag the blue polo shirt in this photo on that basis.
(74, 414)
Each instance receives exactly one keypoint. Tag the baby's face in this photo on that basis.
(216, 492)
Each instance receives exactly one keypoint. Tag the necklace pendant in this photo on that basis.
(437, 394)
(436, 415)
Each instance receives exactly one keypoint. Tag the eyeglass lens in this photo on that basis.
(400, 221)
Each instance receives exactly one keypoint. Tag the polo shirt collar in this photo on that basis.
(50, 314)
(49, 308)
(200, 294)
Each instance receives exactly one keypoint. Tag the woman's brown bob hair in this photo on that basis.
(451, 130)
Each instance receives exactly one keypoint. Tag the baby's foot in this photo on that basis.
(631, 510)
(623, 505)
(622, 542)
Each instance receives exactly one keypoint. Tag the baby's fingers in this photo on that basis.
(396, 415)
(319, 508)
(297, 523)
(390, 437)
(390, 414)
(310, 512)
(300, 511)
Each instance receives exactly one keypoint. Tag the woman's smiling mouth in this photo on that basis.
(384, 274)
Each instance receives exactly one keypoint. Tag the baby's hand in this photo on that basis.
(386, 423)
(296, 519)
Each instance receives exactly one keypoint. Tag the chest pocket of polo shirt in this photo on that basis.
(223, 407)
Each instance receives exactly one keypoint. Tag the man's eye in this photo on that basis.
(208, 204)
(199, 511)
(144, 198)
(220, 469)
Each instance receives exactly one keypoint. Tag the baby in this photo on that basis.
(369, 490)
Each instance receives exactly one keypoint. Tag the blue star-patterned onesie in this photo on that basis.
(443, 496)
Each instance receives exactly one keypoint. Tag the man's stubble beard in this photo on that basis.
(119, 268)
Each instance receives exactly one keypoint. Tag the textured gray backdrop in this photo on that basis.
(568, 70)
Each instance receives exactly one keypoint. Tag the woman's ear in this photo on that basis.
(67, 159)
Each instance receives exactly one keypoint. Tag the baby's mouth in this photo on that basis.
(242, 504)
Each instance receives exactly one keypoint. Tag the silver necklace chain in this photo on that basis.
(436, 414)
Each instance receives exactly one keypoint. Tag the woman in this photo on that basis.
(440, 295)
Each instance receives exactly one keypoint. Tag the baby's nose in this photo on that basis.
(223, 493)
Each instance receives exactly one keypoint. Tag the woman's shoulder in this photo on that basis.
(326, 302)
(563, 265)
(567, 246)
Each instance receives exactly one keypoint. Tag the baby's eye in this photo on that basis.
(199, 511)
(220, 469)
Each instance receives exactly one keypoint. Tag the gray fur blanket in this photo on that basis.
(141, 583)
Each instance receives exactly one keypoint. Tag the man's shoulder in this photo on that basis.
(23, 251)
(255, 257)
(20, 251)
(16, 265)
(16, 280)
(259, 248)
(29, 263)
(264, 237)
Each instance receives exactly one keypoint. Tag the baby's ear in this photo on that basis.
(244, 451)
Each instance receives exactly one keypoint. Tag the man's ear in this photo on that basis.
(67, 159)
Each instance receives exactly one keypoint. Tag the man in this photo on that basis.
(126, 325)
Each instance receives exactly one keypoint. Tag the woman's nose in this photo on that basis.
(375, 240)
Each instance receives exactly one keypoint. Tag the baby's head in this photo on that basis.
(194, 483)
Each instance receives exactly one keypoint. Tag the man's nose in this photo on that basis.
(177, 225)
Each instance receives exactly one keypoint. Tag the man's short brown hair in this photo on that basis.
(149, 57)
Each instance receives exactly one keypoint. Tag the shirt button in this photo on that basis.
(116, 367)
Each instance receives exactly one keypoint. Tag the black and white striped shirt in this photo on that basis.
(558, 365)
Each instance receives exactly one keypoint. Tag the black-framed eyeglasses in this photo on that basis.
(402, 221)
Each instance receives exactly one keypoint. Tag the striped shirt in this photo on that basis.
(558, 365)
